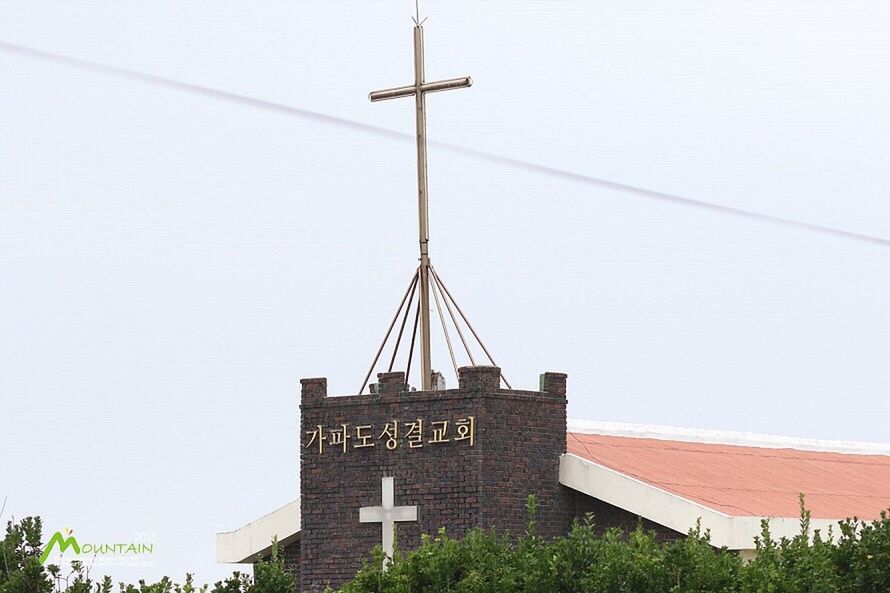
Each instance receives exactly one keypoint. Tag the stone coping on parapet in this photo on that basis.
(472, 381)
(423, 396)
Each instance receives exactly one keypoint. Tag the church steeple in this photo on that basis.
(419, 90)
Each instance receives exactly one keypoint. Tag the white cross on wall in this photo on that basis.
(387, 515)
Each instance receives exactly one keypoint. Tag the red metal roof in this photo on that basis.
(743, 480)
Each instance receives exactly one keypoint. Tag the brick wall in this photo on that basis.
(607, 516)
(519, 436)
(526, 434)
(290, 553)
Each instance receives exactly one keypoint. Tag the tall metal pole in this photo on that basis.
(419, 89)
(423, 210)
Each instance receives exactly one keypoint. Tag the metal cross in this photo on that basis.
(387, 515)
(419, 90)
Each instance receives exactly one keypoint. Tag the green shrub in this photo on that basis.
(854, 560)
(20, 568)
(22, 572)
(615, 562)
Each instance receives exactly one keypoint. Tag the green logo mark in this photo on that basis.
(63, 542)
(144, 544)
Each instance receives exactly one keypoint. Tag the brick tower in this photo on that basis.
(462, 458)
(397, 463)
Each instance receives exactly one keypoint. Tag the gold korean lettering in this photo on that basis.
(391, 431)
(317, 436)
(440, 429)
(414, 436)
(340, 437)
(466, 430)
(363, 436)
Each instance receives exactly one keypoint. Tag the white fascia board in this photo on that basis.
(725, 437)
(671, 510)
(254, 540)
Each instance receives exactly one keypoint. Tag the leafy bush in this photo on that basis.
(22, 572)
(20, 567)
(854, 560)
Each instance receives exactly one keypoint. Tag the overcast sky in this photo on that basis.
(171, 265)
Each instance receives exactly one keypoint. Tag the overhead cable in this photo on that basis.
(403, 136)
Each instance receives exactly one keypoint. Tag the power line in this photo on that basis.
(393, 134)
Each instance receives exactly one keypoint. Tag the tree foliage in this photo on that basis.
(856, 559)
(20, 567)
(22, 572)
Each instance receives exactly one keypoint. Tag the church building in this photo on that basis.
(394, 462)
(417, 461)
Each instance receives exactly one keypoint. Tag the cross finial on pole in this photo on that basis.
(419, 90)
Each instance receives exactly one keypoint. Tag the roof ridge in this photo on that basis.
(725, 437)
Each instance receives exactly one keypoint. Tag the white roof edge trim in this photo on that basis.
(246, 544)
(671, 510)
(725, 437)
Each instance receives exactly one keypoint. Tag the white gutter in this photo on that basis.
(671, 510)
(254, 540)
